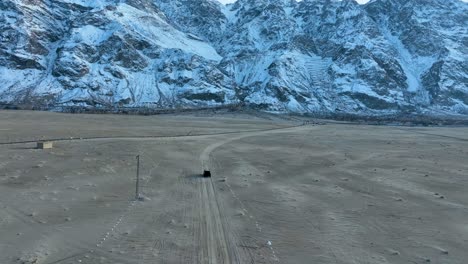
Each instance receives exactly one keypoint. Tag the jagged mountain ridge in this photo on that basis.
(106, 53)
(388, 56)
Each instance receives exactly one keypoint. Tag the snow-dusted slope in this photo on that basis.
(106, 52)
(388, 56)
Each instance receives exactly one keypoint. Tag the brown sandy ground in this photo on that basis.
(280, 193)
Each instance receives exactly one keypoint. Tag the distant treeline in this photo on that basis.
(404, 119)
(140, 110)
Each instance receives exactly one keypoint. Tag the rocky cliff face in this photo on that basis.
(388, 56)
(105, 53)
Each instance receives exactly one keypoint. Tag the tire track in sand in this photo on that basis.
(216, 243)
(215, 246)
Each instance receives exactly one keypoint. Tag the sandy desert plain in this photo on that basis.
(281, 191)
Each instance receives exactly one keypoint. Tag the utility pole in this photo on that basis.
(137, 191)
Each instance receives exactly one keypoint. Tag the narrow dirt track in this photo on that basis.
(176, 137)
(213, 240)
(218, 242)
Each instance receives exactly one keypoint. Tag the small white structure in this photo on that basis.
(45, 145)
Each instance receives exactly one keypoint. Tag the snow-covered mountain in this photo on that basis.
(388, 56)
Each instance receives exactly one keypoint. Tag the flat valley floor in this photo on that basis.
(280, 192)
